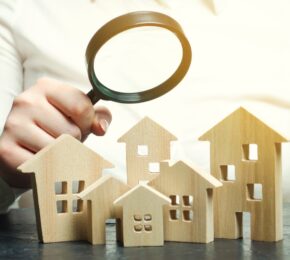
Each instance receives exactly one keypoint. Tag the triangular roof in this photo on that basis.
(209, 180)
(239, 118)
(107, 180)
(65, 145)
(142, 190)
(142, 130)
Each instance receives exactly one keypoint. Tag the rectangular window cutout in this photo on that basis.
(174, 214)
(61, 206)
(137, 217)
(255, 191)
(154, 167)
(138, 228)
(148, 228)
(174, 200)
(60, 187)
(77, 206)
(228, 172)
(187, 215)
(142, 150)
(250, 152)
(187, 200)
(78, 186)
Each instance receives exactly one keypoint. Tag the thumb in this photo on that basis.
(102, 120)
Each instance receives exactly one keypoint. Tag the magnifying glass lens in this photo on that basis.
(138, 59)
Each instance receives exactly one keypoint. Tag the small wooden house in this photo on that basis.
(101, 196)
(246, 157)
(60, 172)
(147, 143)
(141, 214)
(189, 217)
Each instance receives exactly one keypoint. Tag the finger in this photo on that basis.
(55, 123)
(12, 154)
(102, 120)
(74, 104)
(32, 138)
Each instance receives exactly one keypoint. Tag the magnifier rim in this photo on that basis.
(130, 21)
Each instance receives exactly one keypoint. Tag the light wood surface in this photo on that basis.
(68, 163)
(101, 195)
(141, 212)
(230, 140)
(189, 217)
(145, 134)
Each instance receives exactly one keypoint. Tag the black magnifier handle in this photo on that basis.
(123, 23)
(92, 95)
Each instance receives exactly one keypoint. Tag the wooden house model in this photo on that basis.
(246, 157)
(189, 216)
(141, 214)
(60, 172)
(147, 143)
(100, 197)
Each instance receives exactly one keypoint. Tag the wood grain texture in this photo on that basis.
(65, 161)
(101, 196)
(156, 138)
(230, 140)
(141, 212)
(189, 217)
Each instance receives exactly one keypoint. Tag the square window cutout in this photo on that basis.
(228, 172)
(174, 200)
(60, 187)
(78, 186)
(61, 206)
(174, 214)
(187, 200)
(250, 152)
(77, 206)
(187, 215)
(142, 150)
(154, 167)
(255, 191)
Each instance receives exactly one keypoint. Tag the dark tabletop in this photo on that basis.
(18, 240)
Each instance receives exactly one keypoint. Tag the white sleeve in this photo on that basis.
(11, 78)
(11, 71)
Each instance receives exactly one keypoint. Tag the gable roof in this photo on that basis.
(142, 190)
(239, 119)
(146, 129)
(107, 180)
(208, 179)
(64, 146)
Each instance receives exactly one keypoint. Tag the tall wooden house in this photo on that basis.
(189, 216)
(61, 171)
(147, 143)
(245, 156)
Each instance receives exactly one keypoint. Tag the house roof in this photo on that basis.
(65, 147)
(142, 130)
(239, 119)
(141, 191)
(192, 169)
(107, 180)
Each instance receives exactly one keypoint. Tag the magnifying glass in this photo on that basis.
(124, 23)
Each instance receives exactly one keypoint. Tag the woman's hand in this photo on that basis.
(41, 114)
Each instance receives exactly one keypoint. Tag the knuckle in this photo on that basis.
(11, 124)
(82, 109)
(23, 101)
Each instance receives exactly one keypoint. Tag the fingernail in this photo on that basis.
(104, 124)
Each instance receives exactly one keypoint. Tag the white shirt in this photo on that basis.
(241, 57)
